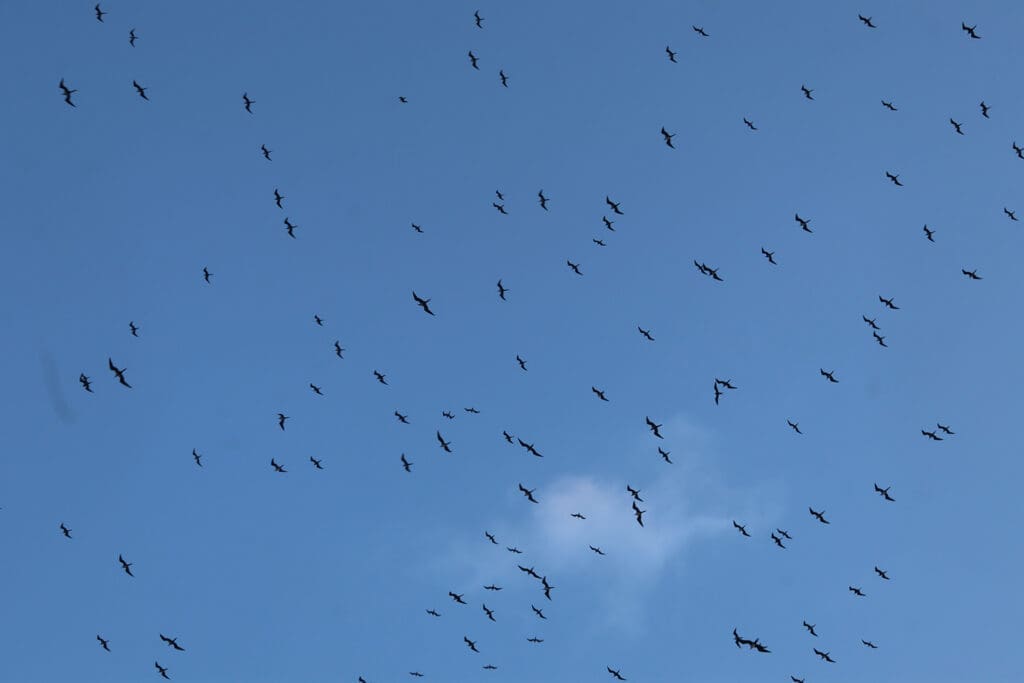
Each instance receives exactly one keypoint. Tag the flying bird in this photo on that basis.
(502, 290)
(457, 597)
(727, 383)
(446, 446)
(866, 20)
(277, 468)
(316, 463)
(598, 242)
(884, 492)
(635, 493)
(930, 234)
(889, 106)
(133, 328)
(197, 457)
(882, 574)
(338, 350)
(804, 223)
(290, 227)
(318, 320)
(542, 200)
(522, 363)
(820, 516)
(599, 393)
(894, 178)
(664, 454)
(607, 223)
(956, 126)
(718, 394)
(478, 19)
(668, 137)
(417, 228)
(984, 109)
(807, 92)
(574, 266)
(645, 333)
(118, 372)
(162, 670)
(500, 208)
(972, 274)
(380, 377)
(1012, 214)
(784, 534)
(470, 644)
(67, 92)
(831, 378)
(888, 303)
(741, 528)
(528, 493)
(869, 644)
(278, 198)
(266, 152)
(492, 587)
(880, 339)
(970, 30)
(139, 89)
(248, 103)
(654, 427)
(281, 417)
(810, 629)
(84, 381)
(615, 673)
(778, 541)
(490, 613)
(490, 537)
(99, 12)
(577, 515)
(422, 303)
(1017, 149)
(700, 30)
(537, 611)
(404, 419)
(824, 656)
(795, 426)
(207, 275)
(770, 255)
(534, 639)
(597, 550)
(856, 591)
(750, 124)
(64, 530)
(671, 55)
(931, 435)
(639, 514)
(406, 465)
(126, 566)
(945, 429)
(614, 205)
(473, 60)
(105, 644)
(172, 642)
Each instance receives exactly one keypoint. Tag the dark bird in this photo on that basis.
(406, 465)
(866, 20)
(778, 541)
(607, 223)
(1018, 150)
(884, 492)
(538, 612)
(739, 527)
(784, 534)
(290, 227)
(478, 19)
(118, 372)
(945, 429)
(522, 363)
(316, 463)
(99, 12)
(635, 493)
(416, 674)
(824, 656)
(530, 571)
(597, 550)
(417, 228)
(700, 30)
(162, 670)
(984, 109)
(499, 195)
(598, 242)
(502, 289)
(133, 328)
(881, 573)
(931, 435)
(542, 200)
(894, 178)
(671, 55)
(471, 644)
(547, 587)
(535, 640)
(889, 106)
(492, 587)
(820, 516)
(380, 377)
(457, 597)
(577, 515)
(490, 537)
(810, 629)
(197, 457)
(84, 381)
(969, 30)
(956, 126)
(473, 60)
(172, 642)
(668, 137)
(207, 275)
(597, 392)
(639, 514)
(281, 417)
(404, 419)
(278, 198)
(929, 234)
(266, 152)
(804, 223)
(972, 274)
(1012, 214)
(422, 303)
(500, 208)
(889, 303)
(126, 566)
(489, 613)
(248, 103)
(139, 89)
(654, 427)
(828, 375)
(105, 644)
(433, 612)
(67, 92)
(856, 591)
(750, 124)
(614, 205)
(664, 454)
(338, 350)
(574, 266)
(446, 446)
(795, 426)
(528, 493)
(770, 255)
(529, 448)
(64, 530)
(794, 679)
(472, 410)
(615, 673)
(277, 468)
(807, 92)
(871, 322)
(508, 437)
(880, 339)
(725, 383)
(316, 390)
(869, 644)
(645, 333)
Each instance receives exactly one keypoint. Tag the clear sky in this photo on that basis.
(112, 209)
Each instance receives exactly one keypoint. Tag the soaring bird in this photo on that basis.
(750, 124)
(645, 333)
(490, 537)
(880, 339)
(502, 290)
(338, 350)
(281, 417)
(671, 55)
(577, 515)
(84, 381)
(727, 383)
(635, 493)
(126, 566)
(614, 205)
(881, 573)
(522, 362)
(118, 372)
(770, 255)
(104, 643)
(489, 613)
(810, 629)
(133, 328)
(664, 455)
(500, 208)
(99, 12)
(139, 89)
(866, 20)
(198, 457)
(528, 493)
(888, 303)
(1011, 214)
(795, 426)
(668, 137)
(884, 492)
(972, 274)
(639, 514)
(889, 105)
(162, 670)
(784, 534)
(542, 200)
(470, 644)
(778, 541)
(277, 468)
(318, 320)
(741, 528)
(473, 60)
(381, 377)
(1017, 149)
(718, 394)
(478, 19)
(945, 429)
(598, 242)
(406, 465)
(654, 427)
(539, 612)
(266, 152)
(607, 223)
(64, 530)
(597, 550)
(615, 673)
(422, 303)
(574, 266)
(290, 227)
(807, 92)
(894, 178)
(404, 419)
(970, 30)
(700, 30)
(492, 587)
(457, 597)
(67, 92)
(869, 644)
(207, 275)
(446, 446)
(931, 435)
(820, 516)
(316, 463)
(278, 198)
(804, 223)
(930, 234)
(535, 640)
(956, 126)
(248, 103)
(831, 378)
(172, 642)
(856, 591)
(599, 393)
(984, 109)
(824, 656)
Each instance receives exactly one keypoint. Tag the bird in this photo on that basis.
(727, 383)
(248, 103)
(970, 30)
(598, 242)
(1018, 150)
(139, 89)
(784, 534)
(770, 255)
(807, 92)
(884, 492)
(417, 228)
(422, 303)
(447, 414)
(446, 446)
(888, 303)
(664, 454)
(172, 642)
(718, 394)
(318, 320)
(266, 152)
(277, 468)
(931, 435)
(64, 530)
(795, 426)
(930, 234)
(433, 612)
(824, 656)
(104, 643)
(654, 427)
(882, 574)
(645, 333)
(1011, 214)
(607, 223)
(528, 493)
(615, 673)
(473, 60)
(478, 19)
(597, 550)
(499, 195)
(529, 448)
(84, 381)
(856, 591)
(197, 456)
(871, 322)
(522, 363)
(489, 667)
(67, 92)
(819, 515)
(700, 30)
(599, 393)
(492, 587)
(162, 670)
(984, 109)
(671, 55)
(416, 674)
(404, 419)
(542, 200)
(794, 679)
(500, 208)
(668, 137)
(866, 20)
(457, 597)
(869, 644)
(126, 566)
(894, 178)
(99, 12)
(281, 417)
(945, 429)
(810, 629)
(338, 350)
(750, 124)
(972, 274)
(889, 106)
(880, 339)
(316, 390)
(804, 223)
(614, 206)
(278, 198)
(739, 527)
(577, 515)
(574, 266)
(639, 514)
(504, 78)
(316, 463)
(133, 328)
(635, 493)
(490, 537)
(957, 126)
(502, 290)
(831, 378)
(547, 587)
(380, 377)
(470, 644)
(406, 465)
(778, 541)
(118, 372)
(290, 227)
(207, 275)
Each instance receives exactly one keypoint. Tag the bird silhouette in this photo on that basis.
(931, 435)
(126, 566)
(457, 597)
(500, 208)
(64, 530)
(104, 643)
(970, 30)
(380, 377)
(539, 612)
(99, 13)
(856, 591)
(635, 493)
(133, 328)
(820, 516)
(807, 92)
(406, 465)
(574, 266)
(945, 429)
(615, 674)
(172, 642)
(972, 274)
(795, 426)
(318, 464)
(84, 381)
(671, 55)
(197, 457)
(984, 109)
(599, 393)
(162, 670)
(478, 19)
(888, 303)
(542, 200)
(473, 59)
(404, 419)
(778, 541)
(957, 126)
(750, 124)
(831, 378)
(739, 527)
(884, 492)
(422, 303)
(810, 629)
(824, 656)
(1011, 214)
(597, 550)
(804, 223)
(277, 468)
(869, 644)
(894, 178)
(446, 446)
(338, 350)
(655, 428)
(118, 372)
(470, 644)
(613, 205)
(266, 152)
(522, 363)
(770, 255)
(889, 106)
(577, 515)
(281, 417)
(528, 493)
(139, 89)
(880, 339)
(866, 20)
(646, 333)
(700, 30)
(668, 137)
(67, 92)
(489, 613)
(278, 198)
(930, 234)
(882, 574)
(502, 290)
(290, 227)
(207, 275)
(248, 103)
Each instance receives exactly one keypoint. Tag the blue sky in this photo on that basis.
(113, 208)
